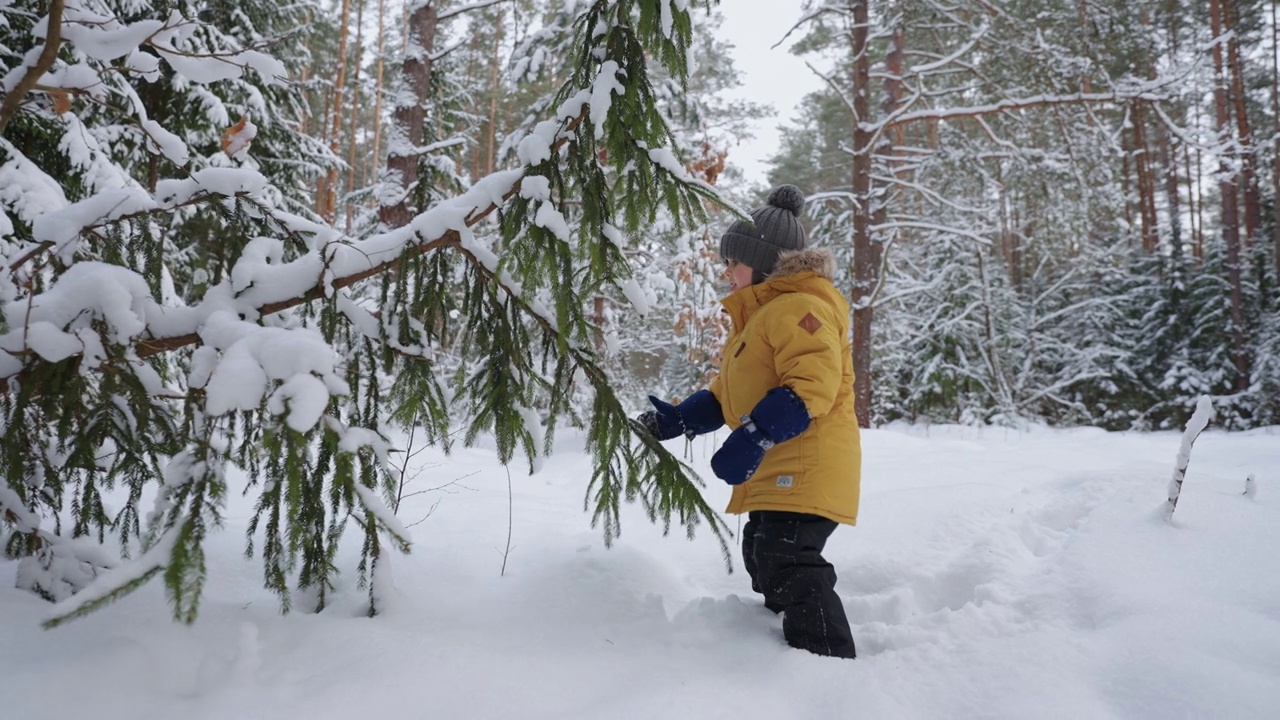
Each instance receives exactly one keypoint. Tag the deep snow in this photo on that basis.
(994, 573)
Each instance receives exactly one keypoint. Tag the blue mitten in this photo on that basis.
(779, 416)
(699, 413)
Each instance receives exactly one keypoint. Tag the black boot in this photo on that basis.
(783, 554)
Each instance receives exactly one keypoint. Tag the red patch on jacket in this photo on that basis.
(810, 323)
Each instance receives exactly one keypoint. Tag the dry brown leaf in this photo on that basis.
(237, 137)
(61, 101)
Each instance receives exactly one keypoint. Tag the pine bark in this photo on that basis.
(866, 256)
(1197, 187)
(1193, 205)
(1086, 84)
(376, 157)
(1275, 115)
(1230, 203)
(1145, 177)
(355, 115)
(491, 136)
(330, 199)
(1126, 182)
(402, 160)
(1169, 154)
(1169, 163)
(1244, 133)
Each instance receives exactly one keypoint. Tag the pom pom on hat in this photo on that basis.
(787, 197)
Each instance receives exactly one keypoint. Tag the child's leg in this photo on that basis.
(749, 556)
(793, 575)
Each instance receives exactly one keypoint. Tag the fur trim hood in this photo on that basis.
(819, 260)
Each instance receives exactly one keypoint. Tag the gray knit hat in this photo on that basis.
(777, 228)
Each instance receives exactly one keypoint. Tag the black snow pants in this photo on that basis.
(782, 552)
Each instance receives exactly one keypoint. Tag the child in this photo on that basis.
(785, 387)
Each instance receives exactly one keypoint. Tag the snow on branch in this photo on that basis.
(117, 583)
(16, 92)
(932, 227)
(59, 225)
(256, 286)
(1007, 105)
(453, 12)
(103, 38)
(1199, 420)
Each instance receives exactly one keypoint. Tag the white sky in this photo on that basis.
(770, 75)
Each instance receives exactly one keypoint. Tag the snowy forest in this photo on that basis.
(272, 238)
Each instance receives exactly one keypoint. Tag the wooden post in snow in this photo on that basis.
(1199, 419)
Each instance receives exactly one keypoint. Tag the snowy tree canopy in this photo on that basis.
(131, 360)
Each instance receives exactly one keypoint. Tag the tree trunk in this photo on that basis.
(1086, 85)
(1143, 161)
(1126, 184)
(1169, 154)
(1193, 206)
(866, 253)
(402, 159)
(491, 135)
(1199, 186)
(376, 158)
(330, 198)
(1248, 153)
(355, 114)
(1275, 115)
(1230, 205)
(304, 115)
(1146, 179)
(1169, 162)
(322, 181)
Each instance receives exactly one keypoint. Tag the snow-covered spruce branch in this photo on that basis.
(114, 215)
(344, 263)
(608, 408)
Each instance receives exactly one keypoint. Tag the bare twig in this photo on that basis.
(434, 505)
(510, 513)
(446, 14)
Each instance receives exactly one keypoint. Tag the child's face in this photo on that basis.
(739, 275)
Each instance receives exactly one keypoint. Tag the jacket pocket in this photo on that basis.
(783, 473)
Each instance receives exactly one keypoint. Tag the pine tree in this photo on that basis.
(138, 386)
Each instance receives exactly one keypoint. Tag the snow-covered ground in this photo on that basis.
(993, 574)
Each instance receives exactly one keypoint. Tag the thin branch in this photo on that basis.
(510, 522)
(809, 18)
(445, 15)
(48, 54)
(1014, 104)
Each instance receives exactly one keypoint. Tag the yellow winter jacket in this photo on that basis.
(793, 330)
